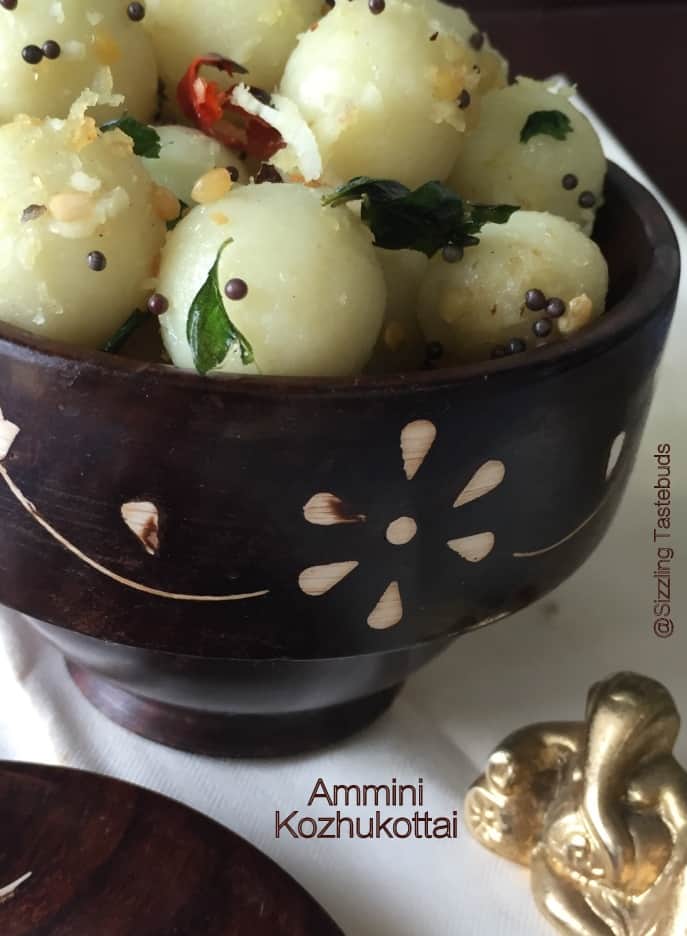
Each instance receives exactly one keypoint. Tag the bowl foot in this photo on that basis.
(226, 735)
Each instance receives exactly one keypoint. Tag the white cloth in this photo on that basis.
(535, 666)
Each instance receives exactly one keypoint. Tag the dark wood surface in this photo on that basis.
(627, 58)
(110, 859)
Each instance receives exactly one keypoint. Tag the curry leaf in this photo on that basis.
(546, 123)
(427, 220)
(209, 329)
(476, 216)
(122, 335)
(146, 139)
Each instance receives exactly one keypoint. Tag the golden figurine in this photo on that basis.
(597, 810)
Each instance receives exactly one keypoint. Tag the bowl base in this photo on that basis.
(225, 735)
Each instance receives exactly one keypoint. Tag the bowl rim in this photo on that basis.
(647, 296)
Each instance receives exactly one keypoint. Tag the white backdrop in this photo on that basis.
(534, 666)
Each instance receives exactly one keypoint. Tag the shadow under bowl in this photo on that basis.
(295, 549)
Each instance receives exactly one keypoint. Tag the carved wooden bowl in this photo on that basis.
(255, 565)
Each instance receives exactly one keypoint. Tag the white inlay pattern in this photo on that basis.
(319, 580)
(616, 451)
(8, 433)
(389, 610)
(143, 519)
(417, 440)
(7, 892)
(328, 510)
(483, 482)
(401, 531)
(474, 548)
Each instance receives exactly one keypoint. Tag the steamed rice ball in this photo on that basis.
(186, 155)
(531, 281)
(80, 232)
(454, 19)
(401, 345)
(258, 34)
(51, 51)
(300, 282)
(562, 176)
(381, 98)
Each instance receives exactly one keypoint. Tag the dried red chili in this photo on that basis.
(210, 108)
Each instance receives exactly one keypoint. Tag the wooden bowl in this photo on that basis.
(255, 565)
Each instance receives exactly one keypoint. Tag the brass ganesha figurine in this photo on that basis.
(597, 810)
